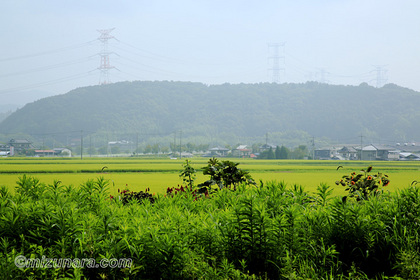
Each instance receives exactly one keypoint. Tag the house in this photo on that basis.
(378, 152)
(44, 153)
(368, 153)
(394, 155)
(4, 147)
(338, 152)
(353, 152)
(267, 147)
(347, 152)
(62, 152)
(217, 152)
(386, 153)
(186, 155)
(20, 145)
(408, 147)
(408, 156)
(324, 153)
(241, 151)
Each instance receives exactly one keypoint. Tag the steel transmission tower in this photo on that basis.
(277, 58)
(380, 75)
(105, 66)
(322, 76)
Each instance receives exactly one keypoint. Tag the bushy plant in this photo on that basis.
(186, 192)
(225, 174)
(128, 196)
(364, 184)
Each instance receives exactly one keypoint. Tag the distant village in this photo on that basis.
(405, 151)
(24, 147)
(370, 152)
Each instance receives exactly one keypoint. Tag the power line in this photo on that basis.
(51, 82)
(49, 67)
(47, 52)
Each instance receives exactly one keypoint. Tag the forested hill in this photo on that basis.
(243, 110)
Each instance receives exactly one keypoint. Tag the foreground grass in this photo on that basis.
(271, 231)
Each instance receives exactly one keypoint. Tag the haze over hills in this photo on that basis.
(227, 112)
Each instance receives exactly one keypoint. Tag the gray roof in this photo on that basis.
(20, 141)
(219, 149)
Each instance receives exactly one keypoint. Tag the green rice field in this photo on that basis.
(158, 174)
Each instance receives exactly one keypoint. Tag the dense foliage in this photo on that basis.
(269, 231)
(363, 185)
(225, 174)
(291, 113)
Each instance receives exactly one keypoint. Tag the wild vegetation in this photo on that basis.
(269, 230)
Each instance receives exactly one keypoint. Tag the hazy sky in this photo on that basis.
(51, 46)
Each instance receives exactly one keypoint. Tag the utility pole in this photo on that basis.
(137, 143)
(174, 147)
(361, 146)
(81, 144)
(107, 144)
(105, 66)
(180, 144)
(278, 62)
(313, 147)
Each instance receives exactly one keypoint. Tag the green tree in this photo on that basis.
(164, 149)
(256, 147)
(188, 174)
(115, 150)
(148, 149)
(203, 147)
(191, 147)
(155, 148)
(277, 153)
(284, 153)
(103, 150)
(300, 152)
(92, 151)
(174, 147)
(270, 154)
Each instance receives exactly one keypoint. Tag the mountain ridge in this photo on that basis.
(226, 110)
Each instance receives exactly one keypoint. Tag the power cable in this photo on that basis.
(46, 52)
(44, 68)
(27, 87)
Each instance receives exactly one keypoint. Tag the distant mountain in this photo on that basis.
(339, 113)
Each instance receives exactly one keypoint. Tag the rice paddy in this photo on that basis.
(159, 174)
